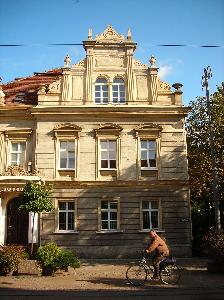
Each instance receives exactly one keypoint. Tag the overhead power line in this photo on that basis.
(144, 44)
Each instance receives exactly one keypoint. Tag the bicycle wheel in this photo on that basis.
(170, 274)
(136, 275)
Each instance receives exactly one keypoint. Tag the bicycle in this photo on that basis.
(169, 272)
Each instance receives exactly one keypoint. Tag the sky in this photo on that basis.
(38, 23)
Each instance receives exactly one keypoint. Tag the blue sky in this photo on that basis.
(37, 23)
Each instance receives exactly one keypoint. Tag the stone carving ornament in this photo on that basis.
(109, 35)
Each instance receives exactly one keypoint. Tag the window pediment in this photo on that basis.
(149, 130)
(23, 133)
(67, 129)
(108, 129)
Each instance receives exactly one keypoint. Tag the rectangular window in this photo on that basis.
(109, 215)
(108, 151)
(150, 214)
(18, 153)
(148, 154)
(66, 215)
(67, 154)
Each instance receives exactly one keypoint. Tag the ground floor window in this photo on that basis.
(66, 215)
(150, 214)
(109, 215)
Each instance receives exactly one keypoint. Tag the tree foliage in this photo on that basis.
(199, 158)
(36, 198)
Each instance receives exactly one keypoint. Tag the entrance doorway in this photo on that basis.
(17, 223)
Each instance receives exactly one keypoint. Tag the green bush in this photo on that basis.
(52, 256)
(10, 256)
(68, 259)
(213, 244)
(48, 255)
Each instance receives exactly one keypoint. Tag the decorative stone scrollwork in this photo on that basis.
(80, 64)
(163, 86)
(110, 35)
(138, 64)
(55, 87)
(16, 170)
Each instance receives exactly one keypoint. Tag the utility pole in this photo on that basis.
(207, 75)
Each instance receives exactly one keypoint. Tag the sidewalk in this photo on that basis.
(107, 275)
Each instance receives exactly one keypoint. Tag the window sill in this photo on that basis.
(150, 173)
(148, 230)
(109, 231)
(106, 172)
(65, 232)
(66, 172)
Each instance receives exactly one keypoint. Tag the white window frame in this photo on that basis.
(66, 211)
(150, 210)
(118, 84)
(110, 84)
(108, 210)
(67, 154)
(66, 132)
(148, 150)
(108, 140)
(18, 153)
(101, 91)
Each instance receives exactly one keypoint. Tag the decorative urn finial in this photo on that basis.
(67, 61)
(177, 86)
(90, 34)
(152, 61)
(129, 35)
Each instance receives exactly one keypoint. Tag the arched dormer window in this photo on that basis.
(101, 91)
(118, 91)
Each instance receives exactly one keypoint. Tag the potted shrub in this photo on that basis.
(68, 259)
(214, 248)
(52, 258)
(10, 256)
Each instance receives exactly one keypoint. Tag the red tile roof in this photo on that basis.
(26, 88)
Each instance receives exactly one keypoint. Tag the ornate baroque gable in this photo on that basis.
(110, 35)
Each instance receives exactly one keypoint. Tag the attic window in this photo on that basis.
(19, 97)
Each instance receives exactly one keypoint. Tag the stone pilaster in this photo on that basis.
(66, 85)
(1, 152)
(89, 73)
(130, 76)
(153, 80)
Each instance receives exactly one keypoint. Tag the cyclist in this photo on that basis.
(161, 251)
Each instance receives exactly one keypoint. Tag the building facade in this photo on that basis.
(109, 135)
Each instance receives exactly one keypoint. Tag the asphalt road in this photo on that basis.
(158, 294)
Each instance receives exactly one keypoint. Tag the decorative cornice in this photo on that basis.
(148, 129)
